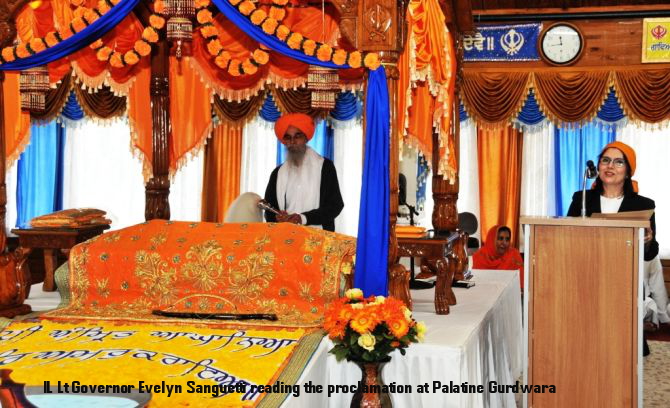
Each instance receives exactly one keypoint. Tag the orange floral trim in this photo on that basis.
(141, 48)
(271, 25)
(82, 18)
(222, 58)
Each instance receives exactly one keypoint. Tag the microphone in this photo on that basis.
(264, 205)
(589, 173)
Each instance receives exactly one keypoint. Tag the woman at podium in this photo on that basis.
(614, 191)
(497, 252)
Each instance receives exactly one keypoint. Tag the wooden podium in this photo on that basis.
(583, 311)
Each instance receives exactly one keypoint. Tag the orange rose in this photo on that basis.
(103, 7)
(324, 52)
(269, 26)
(204, 16)
(261, 56)
(258, 16)
(249, 68)
(294, 41)
(398, 327)
(22, 51)
(104, 54)
(222, 60)
(115, 61)
(364, 321)
(340, 57)
(37, 44)
(150, 35)
(159, 7)
(156, 22)
(234, 68)
(8, 54)
(246, 7)
(283, 32)
(142, 47)
(372, 61)
(214, 47)
(51, 39)
(337, 332)
(131, 57)
(278, 13)
(308, 47)
(209, 31)
(355, 59)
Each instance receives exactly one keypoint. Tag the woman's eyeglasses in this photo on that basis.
(605, 161)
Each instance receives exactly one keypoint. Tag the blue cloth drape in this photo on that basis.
(462, 113)
(269, 110)
(76, 42)
(573, 148)
(322, 143)
(347, 107)
(72, 110)
(270, 41)
(373, 226)
(40, 174)
(530, 113)
(611, 111)
(421, 180)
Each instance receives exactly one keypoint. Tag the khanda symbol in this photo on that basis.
(512, 42)
(658, 32)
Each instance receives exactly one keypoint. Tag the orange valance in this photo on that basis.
(571, 97)
(644, 95)
(493, 99)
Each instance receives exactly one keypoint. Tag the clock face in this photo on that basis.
(561, 44)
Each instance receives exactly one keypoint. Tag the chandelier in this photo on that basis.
(34, 85)
(323, 82)
(179, 25)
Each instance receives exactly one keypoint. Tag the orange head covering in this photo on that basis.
(488, 258)
(298, 120)
(629, 153)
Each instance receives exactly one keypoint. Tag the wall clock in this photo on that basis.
(561, 44)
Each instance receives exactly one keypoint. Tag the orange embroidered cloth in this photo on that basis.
(286, 269)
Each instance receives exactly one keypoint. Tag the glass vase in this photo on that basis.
(372, 380)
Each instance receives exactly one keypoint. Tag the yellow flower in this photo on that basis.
(372, 61)
(278, 13)
(131, 57)
(159, 7)
(260, 56)
(367, 341)
(214, 47)
(209, 31)
(51, 39)
(8, 54)
(78, 24)
(407, 313)
(249, 68)
(309, 46)
(246, 7)
(150, 35)
(204, 16)
(156, 22)
(258, 16)
(283, 32)
(364, 321)
(420, 330)
(234, 68)
(398, 327)
(37, 44)
(355, 59)
(222, 60)
(96, 44)
(354, 294)
(324, 52)
(269, 26)
(339, 57)
(115, 61)
(294, 40)
(142, 47)
(357, 306)
(103, 7)
(379, 300)
(104, 53)
(22, 51)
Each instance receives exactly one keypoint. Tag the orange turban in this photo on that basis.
(298, 120)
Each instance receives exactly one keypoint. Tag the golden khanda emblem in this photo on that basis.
(378, 22)
(512, 42)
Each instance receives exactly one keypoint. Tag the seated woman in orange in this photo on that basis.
(497, 253)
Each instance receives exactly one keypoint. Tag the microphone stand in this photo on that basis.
(589, 172)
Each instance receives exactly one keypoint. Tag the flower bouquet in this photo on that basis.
(369, 329)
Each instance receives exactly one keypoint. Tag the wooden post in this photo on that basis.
(158, 187)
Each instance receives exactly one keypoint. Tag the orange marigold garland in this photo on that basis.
(82, 18)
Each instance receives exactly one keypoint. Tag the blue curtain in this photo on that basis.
(530, 113)
(573, 148)
(373, 227)
(462, 113)
(72, 110)
(322, 143)
(76, 42)
(611, 110)
(269, 109)
(347, 107)
(40, 174)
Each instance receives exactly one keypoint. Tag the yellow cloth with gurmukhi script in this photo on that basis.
(169, 356)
